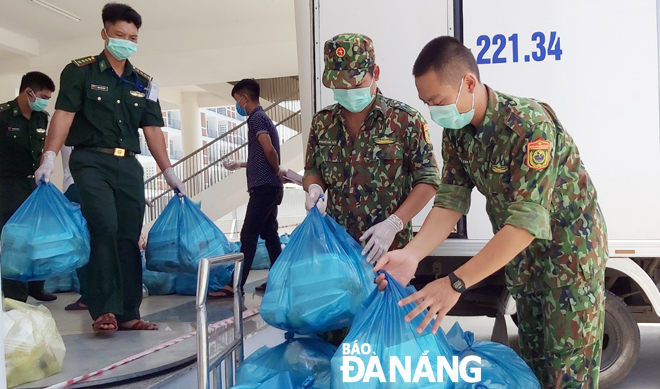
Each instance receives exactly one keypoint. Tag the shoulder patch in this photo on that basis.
(4, 107)
(84, 61)
(142, 74)
(538, 154)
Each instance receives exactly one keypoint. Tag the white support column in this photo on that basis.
(305, 43)
(191, 123)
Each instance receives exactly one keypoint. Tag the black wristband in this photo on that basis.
(456, 283)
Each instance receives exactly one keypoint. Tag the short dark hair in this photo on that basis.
(116, 12)
(248, 86)
(37, 81)
(447, 56)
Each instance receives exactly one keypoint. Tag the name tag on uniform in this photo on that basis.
(327, 142)
(13, 129)
(101, 88)
(152, 92)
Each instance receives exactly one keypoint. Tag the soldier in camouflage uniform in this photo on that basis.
(371, 153)
(550, 233)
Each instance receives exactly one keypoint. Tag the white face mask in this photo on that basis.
(448, 116)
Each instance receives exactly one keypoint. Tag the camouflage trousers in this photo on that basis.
(562, 346)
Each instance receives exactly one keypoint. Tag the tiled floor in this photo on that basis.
(79, 322)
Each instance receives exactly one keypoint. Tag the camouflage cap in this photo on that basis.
(347, 57)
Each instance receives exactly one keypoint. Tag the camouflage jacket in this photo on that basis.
(370, 176)
(530, 172)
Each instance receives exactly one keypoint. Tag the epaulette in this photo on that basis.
(4, 107)
(84, 61)
(142, 74)
(404, 107)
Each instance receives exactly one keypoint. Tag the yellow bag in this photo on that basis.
(34, 348)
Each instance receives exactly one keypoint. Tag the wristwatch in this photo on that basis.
(456, 283)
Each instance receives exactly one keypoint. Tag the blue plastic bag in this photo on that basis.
(182, 236)
(319, 281)
(380, 331)
(261, 257)
(199, 237)
(306, 359)
(501, 367)
(278, 381)
(162, 251)
(59, 284)
(46, 237)
(186, 283)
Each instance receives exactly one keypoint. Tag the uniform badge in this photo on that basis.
(41, 130)
(135, 93)
(101, 88)
(425, 132)
(538, 154)
(499, 169)
(341, 52)
(384, 141)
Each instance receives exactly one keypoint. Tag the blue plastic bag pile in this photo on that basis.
(180, 238)
(408, 359)
(46, 237)
(317, 284)
(322, 282)
(261, 258)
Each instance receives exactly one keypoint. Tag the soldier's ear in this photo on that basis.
(376, 72)
(471, 82)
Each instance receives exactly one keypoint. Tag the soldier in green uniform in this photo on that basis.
(550, 235)
(23, 123)
(102, 102)
(371, 153)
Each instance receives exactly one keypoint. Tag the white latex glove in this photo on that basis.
(282, 175)
(231, 164)
(312, 196)
(174, 182)
(382, 235)
(46, 168)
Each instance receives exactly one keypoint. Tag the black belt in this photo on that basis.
(117, 152)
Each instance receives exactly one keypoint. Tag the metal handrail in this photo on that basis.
(204, 162)
(207, 367)
(203, 174)
(233, 130)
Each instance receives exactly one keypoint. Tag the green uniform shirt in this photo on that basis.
(109, 109)
(530, 172)
(21, 140)
(369, 177)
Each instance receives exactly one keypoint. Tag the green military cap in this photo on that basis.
(347, 57)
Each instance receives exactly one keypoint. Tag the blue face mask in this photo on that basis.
(448, 116)
(39, 104)
(121, 49)
(356, 99)
(241, 110)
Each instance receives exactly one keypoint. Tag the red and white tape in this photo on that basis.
(214, 326)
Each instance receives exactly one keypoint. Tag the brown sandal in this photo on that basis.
(140, 325)
(105, 319)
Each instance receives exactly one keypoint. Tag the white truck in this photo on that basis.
(594, 62)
